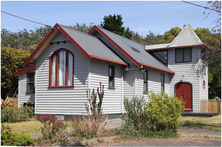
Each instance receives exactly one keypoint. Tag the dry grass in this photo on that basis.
(212, 123)
(215, 120)
(89, 126)
(28, 127)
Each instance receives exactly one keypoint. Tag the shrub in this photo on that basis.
(13, 114)
(135, 111)
(92, 124)
(6, 135)
(23, 140)
(128, 129)
(164, 111)
(135, 119)
(14, 139)
(52, 128)
(158, 118)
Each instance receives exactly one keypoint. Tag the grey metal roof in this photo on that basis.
(156, 46)
(186, 37)
(91, 44)
(141, 56)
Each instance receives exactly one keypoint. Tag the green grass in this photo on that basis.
(212, 123)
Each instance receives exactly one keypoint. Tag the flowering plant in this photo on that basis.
(52, 128)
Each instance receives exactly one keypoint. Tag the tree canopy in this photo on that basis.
(12, 60)
(114, 24)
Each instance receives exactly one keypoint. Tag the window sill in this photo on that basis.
(30, 93)
(183, 61)
(61, 86)
(111, 88)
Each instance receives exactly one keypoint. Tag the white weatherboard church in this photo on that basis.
(68, 62)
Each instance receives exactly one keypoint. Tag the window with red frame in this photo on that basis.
(61, 69)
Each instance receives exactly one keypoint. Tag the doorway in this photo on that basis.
(184, 90)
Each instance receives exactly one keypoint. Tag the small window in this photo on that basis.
(183, 54)
(111, 76)
(145, 81)
(160, 56)
(162, 82)
(30, 82)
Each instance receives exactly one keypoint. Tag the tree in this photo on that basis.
(215, 6)
(27, 40)
(82, 27)
(12, 60)
(170, 35)
(151, 38)
(127, 33)
(114, 24)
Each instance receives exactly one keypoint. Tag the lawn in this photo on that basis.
(28, 127)
(212, 123)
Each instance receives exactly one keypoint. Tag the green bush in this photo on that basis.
(23, 140)
(128, 129)
(6, 135)
(12, 114)
(158, 118)
(164, 111)
(14, 139)
(135, 111)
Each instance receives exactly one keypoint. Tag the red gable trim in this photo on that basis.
(24, 70)
(179, 47)
(114, 44)
(57, 26)
(109, 60)
(73, 41)
(157, 68)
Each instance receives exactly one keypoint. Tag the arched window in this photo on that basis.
(61, 69)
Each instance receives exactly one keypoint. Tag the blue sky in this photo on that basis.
(156, 16)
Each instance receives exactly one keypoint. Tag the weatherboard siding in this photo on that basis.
(129, 85)
(69, 100)
(183, 72)
(112, 101)
(22, 86)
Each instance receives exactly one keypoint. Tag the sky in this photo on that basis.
(139, 16)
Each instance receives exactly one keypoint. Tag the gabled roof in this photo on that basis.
(89, 46)
(132, 50)
(186, 38)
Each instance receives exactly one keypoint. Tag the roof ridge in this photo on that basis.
(157, 44)
(121, 36)
(187, 27)
(76, 30)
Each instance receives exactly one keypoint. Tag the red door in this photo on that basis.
(184, 90)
